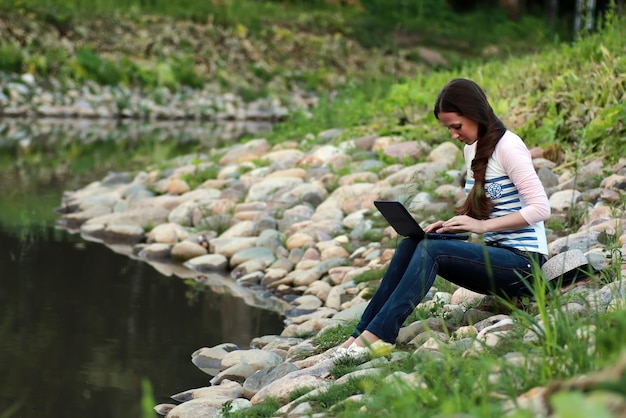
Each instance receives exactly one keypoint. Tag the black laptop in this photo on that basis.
(403, 222)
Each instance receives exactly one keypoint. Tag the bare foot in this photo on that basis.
(366, 339)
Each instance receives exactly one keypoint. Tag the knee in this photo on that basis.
(408, 245)
(428, 249)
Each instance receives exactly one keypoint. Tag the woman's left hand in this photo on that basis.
(462, 223)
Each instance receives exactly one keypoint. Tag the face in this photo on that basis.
(460, 127)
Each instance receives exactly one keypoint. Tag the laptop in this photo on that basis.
(403, 222)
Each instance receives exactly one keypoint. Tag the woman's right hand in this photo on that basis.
(433, 227)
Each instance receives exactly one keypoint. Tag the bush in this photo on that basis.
(10, 58)
(185, 72)
(90, 66)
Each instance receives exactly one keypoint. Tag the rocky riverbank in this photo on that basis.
(158, 68)
(27, 97)
(291, 226)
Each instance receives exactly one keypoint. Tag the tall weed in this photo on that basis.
(572, 94)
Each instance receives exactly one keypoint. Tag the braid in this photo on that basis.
(478, 205)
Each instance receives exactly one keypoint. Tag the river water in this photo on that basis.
(83, 328)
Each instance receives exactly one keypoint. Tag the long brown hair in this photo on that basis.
(466, 98)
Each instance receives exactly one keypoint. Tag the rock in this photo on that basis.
(177, 187)
(167, 233)
(164, 408)
(583, 240)
(564, 199)
(144, 217)
(265, 255)
(306, 277)
(410, 331)
(349, 314)
(271, 188)
(226, 388)
(319, 289)
(412, 149)
(336, 297)
(155, 252)
(207, 263)
(123, 234)
(307, 302)
(257, 359)
(186, 250)
(75, 220)
(263, 377)
(248, 151)
(473, 316)
(240, 229)
(615, 182)
(270, 239)
(209, 360)
(229, 246)
(247, 267)
(300, 240)
(312, 377)
(447, 153)
(463, 296)
(199, 408)
(237, 372)
(548, 178)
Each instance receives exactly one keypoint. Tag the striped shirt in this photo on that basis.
(513, 185)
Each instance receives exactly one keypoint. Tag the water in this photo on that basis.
(81, 327)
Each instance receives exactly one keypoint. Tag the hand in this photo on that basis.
(433, 227)
(458, 224)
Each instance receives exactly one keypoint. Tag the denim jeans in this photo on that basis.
(414, 266)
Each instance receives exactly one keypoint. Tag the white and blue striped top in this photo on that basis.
(507, 199)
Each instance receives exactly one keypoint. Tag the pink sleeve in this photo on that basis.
(517, 162)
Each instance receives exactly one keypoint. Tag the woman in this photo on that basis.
(506, 203)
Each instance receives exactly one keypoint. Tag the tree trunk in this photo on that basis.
(585, 13)
(553, 12)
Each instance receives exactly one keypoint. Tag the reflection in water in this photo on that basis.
(80, 326)
(62, 131)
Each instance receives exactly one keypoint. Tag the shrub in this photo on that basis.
(90, 66)
(185, 72)
(11, 58)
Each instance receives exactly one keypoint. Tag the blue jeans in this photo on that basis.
(414, 266)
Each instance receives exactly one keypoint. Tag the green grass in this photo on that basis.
(266, 409)
(201, 175)
(332, 337)
(331, 398)
(369, 275)
(147, 399)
